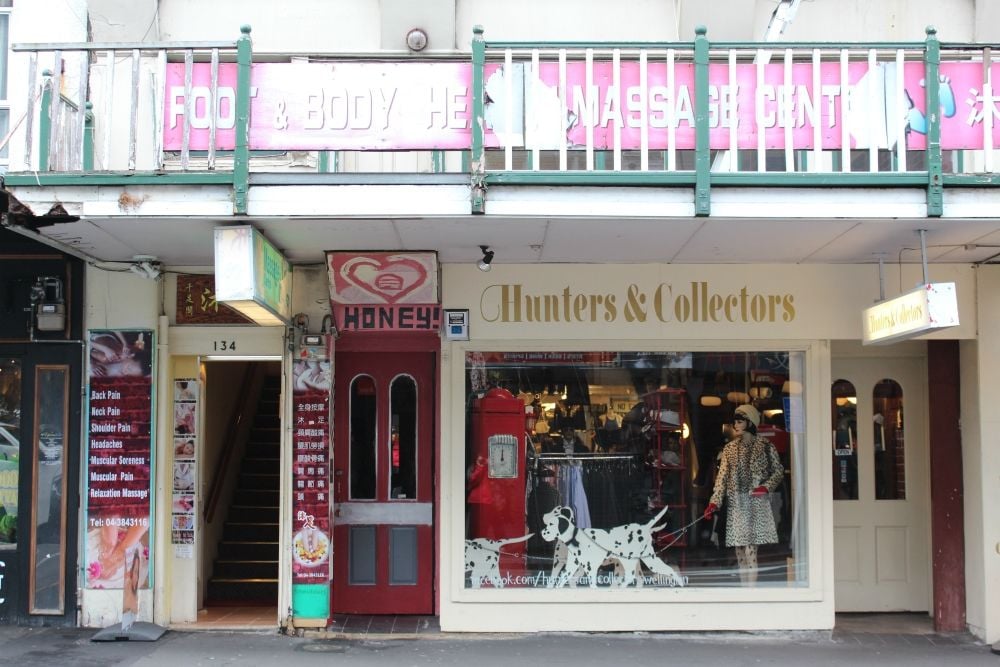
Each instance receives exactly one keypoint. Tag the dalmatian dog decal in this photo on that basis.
(482, 559)
(583, 552)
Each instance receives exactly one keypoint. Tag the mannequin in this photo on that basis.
(749, 470)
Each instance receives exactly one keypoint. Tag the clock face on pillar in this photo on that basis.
(503, 456)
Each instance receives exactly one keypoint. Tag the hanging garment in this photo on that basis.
(573, 494)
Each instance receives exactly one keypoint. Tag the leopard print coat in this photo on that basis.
(744, 466)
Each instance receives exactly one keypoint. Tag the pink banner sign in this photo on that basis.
(334, 106)
(425, 106)
(872, 107)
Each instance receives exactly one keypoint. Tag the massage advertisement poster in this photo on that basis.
(119, 454)
(311, 498)
(185, 441)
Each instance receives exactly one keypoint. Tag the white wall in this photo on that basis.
(317, 26)
(117, 301)
(369, 25)
(39, 21)
(981, 461)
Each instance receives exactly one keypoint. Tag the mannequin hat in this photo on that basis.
(750, 412)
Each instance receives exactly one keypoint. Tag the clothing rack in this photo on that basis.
(583, 457)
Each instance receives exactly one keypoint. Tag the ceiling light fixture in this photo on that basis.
(486, 263)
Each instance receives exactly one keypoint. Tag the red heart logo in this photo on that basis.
(390, 278)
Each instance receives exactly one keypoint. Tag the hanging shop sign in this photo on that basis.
(252, 276)
(384, 291)
(425, 106)
(926, 308)
(311, 543)
(198, 304)
(119, 454)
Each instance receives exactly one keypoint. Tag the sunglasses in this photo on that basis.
(739, 419)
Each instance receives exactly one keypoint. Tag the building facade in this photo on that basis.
(300, 390)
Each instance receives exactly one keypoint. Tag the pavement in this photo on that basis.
(28, 647)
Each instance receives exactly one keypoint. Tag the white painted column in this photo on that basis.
(981, 460)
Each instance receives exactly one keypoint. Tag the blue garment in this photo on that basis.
(573, 495)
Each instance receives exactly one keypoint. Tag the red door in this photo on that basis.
(383, 517)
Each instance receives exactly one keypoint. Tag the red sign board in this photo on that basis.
(311, 544)
(196, 303)
(119, 453)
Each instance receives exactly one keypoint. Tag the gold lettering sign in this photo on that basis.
(692, 302)
(196, 302)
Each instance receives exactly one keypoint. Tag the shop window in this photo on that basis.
(889, 450)
(629, 469)
(5, 6)
(403, 437)
(844, 405)
(363, 438)
(10, 448)
(48, 554)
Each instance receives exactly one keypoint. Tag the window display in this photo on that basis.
(634, 469)
(10, 448)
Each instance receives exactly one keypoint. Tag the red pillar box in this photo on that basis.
(496, 486)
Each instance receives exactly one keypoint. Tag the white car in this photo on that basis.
(10, 446)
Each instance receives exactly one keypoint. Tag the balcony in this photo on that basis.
(690, 115)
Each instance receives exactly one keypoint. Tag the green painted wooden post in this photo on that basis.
(935, 180)
(45, 121)
(241, 151)
(478, 157)
(88, 137)
(702, 157)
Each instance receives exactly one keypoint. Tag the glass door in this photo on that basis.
(39, 422)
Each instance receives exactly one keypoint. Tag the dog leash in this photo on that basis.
(679, 532)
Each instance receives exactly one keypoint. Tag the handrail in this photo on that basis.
(236, 420)
(121, 46)
(691, 113)
(96, 70)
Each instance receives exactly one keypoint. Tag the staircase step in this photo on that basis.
(237, 550)
(261, 464)
(263, 450)
(266, 421)
(246, 569)
(256, 497)
(242, 589)
(235, 531)
(251, 513)
(259, 481)
(265, 434)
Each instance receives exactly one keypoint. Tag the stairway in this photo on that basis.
(246, 567)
